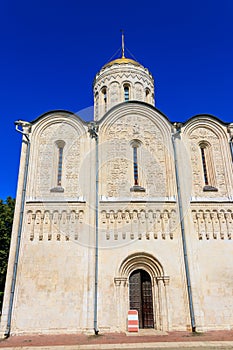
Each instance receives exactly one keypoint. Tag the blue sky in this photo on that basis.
(51, 51)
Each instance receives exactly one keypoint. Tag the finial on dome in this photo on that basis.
(122, 43)
(122, 59)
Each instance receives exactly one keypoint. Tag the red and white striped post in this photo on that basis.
(133, 325)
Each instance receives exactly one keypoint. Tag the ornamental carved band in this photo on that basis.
(215, 224)
(130, 225)
(54, 225)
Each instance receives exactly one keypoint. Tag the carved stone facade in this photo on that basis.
(111, 80)
(129, 192)
(213, 223)
(54, 225)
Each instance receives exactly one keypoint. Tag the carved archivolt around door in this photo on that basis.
(148, 263)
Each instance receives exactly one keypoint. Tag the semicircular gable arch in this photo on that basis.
(58, 117)
(58, 111)
(135, 122)
(55, 127)
(139, 110)
(207, 131)
(206, 122)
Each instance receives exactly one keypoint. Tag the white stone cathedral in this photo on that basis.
(129, 211)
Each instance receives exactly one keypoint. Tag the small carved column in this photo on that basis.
(63, 224)
(55, 225)
(59, 227)
(72, 224)
(156, 303)
(155, 226)
(31, 223)
(195, 222)
(215, 224)
(165, 224)
(142, 226)
(80, 224)
(75, 220)
(134, 225)
(46, 225)
(150, 223)
(68, 226)
(111, 224)
(229, 225)
(41, 227)
(166, 280)
(116, 226)
(172, 224)
(159, 281)
(127, 225)
(120, 283)
(222, 223)
(119, 225)
(37, 226)
(201, 225)
(108, 226)
(208, 225)
(162, 282)
(50, 227)
(159, 223)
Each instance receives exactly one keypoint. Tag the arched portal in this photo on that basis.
(141, 298)
(141, 284)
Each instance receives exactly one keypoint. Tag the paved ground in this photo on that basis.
(116, 341)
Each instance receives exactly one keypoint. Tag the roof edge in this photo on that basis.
(58, 111)
(205, 115)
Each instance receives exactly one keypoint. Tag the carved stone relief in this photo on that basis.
(54, 225)
(47, 162)
(213, 223)
(119, 157)
(138, 224)
(199, 135)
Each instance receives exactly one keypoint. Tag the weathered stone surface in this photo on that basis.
(137, 230)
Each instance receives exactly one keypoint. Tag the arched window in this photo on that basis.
(126, 92)
(104, 98)
(147, 95)
(135, 144)
(208, 170)
(135, 164)
(96, 103)
(204, 165)
(60, 145)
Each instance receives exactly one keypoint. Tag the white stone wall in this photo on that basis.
(53, 277)
(113, 78)
(137, 230)
(155, 155)
(44, 157)
(169, 314)
(208, 221)
(219, 168)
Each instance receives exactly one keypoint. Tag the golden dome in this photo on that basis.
(121, 61)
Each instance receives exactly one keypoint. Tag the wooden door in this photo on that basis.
(140, 296)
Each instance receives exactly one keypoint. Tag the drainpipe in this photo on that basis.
(24, 126)
(93, 130)
(231, 146)
(187, 272)
(230, 131)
